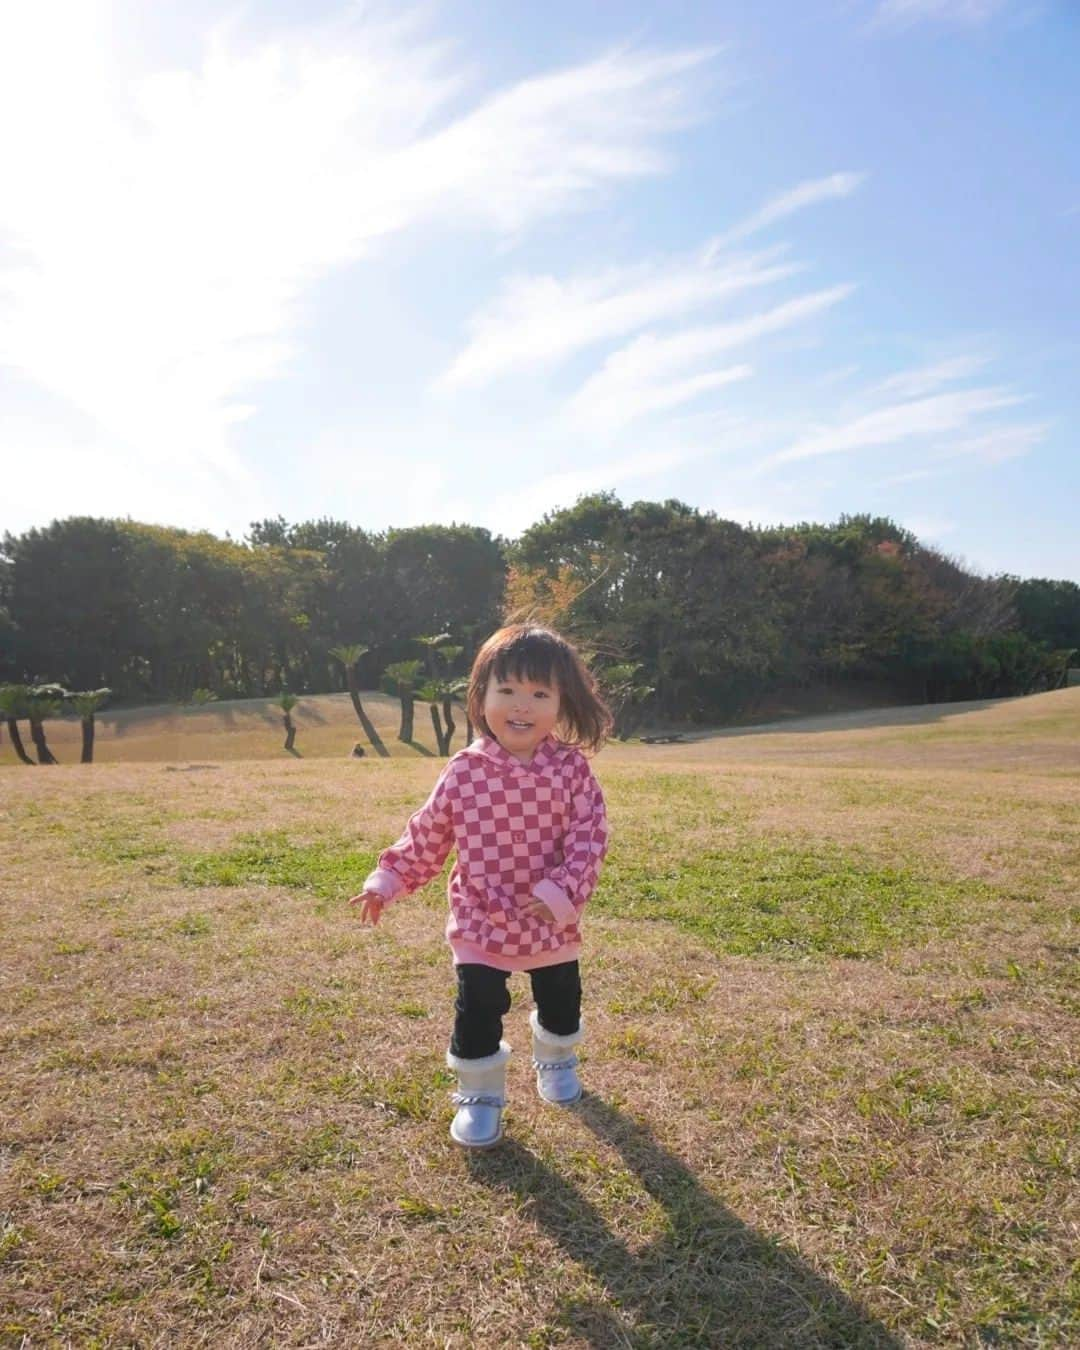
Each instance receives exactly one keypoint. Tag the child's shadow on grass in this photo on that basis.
(707, 1280)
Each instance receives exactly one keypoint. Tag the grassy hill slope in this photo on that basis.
(831, 1016)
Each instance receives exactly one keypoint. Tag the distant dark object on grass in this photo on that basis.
(662, 740)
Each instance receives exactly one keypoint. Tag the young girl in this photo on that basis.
(527, 818)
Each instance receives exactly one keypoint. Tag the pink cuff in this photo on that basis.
(556, 900)
(385, 883)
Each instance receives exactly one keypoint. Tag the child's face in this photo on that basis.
(520, 713)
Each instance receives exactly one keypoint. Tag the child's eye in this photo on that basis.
(542, 693)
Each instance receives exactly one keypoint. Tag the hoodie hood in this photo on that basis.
(548, 752)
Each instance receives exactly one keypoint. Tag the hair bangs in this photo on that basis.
(530, 656)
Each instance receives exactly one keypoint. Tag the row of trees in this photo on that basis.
(719, 616)
(37, 704)
(687, 615)
(157, 613)
(40, 702)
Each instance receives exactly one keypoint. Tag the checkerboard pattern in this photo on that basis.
(513, 825)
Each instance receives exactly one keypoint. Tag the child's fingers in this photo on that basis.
(371, 906)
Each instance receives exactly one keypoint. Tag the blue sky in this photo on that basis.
(467, 261)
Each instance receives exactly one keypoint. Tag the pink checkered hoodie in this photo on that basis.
(521, 830)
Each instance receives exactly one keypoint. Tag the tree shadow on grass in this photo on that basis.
(708, 1280)
(420, 749)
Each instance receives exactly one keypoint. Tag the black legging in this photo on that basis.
(483, 999)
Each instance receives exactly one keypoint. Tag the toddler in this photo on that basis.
(527, 818)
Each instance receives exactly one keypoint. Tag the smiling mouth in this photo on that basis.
(520, 726)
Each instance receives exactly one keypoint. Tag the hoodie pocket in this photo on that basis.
(506, 924)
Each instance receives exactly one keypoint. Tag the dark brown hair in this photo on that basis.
(528, 652)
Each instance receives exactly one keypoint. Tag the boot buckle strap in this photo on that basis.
(552, 1064)
(476, 1099)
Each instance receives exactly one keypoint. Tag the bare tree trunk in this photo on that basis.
(290, 732)
(442, 738)
(16, 741)
(448, 714)
(37, 734)
(87, 740)
(408, 711)
(365, 721)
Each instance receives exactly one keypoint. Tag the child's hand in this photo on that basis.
(371, 906)
(536, 909)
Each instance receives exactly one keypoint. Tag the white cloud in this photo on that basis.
(1000, 443)
(925, 379)
(838, 375)
(551, 142)
(903, 13)
(929, 527)
(787, 203)
(992, 447)
(162, 225)
(656, 372)
(510, 513)
(539, 320)
(915, 476)
(898, 422)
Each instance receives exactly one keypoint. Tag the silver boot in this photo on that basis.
(555, 1064)
(479, 1099)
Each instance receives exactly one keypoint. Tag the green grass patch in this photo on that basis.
(759, 898)
(329, 869)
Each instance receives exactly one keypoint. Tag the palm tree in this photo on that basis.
(287, 702)
(15, 703)
(46, 700)
(441, 687)
(400, 679)
(348, 656)
(438, 692)
(459, 691)
(86, 705)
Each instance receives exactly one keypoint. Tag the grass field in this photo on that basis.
(831, 1009)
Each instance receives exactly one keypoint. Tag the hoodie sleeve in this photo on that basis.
(419, 854)
(566, 890)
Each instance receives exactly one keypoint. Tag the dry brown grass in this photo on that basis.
(223, 1109)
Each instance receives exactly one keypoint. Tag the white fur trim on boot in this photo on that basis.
(555, 1063)
(479, 1099)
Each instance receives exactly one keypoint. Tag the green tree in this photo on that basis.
(625, 694)
(287, 702)
(86, 703)
(15, 704)
(1049, 611)
(442, 687)
(440, 578)
(441, 693)
(70, 600)
(45, 701)
(400, 679)
(349, 656)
